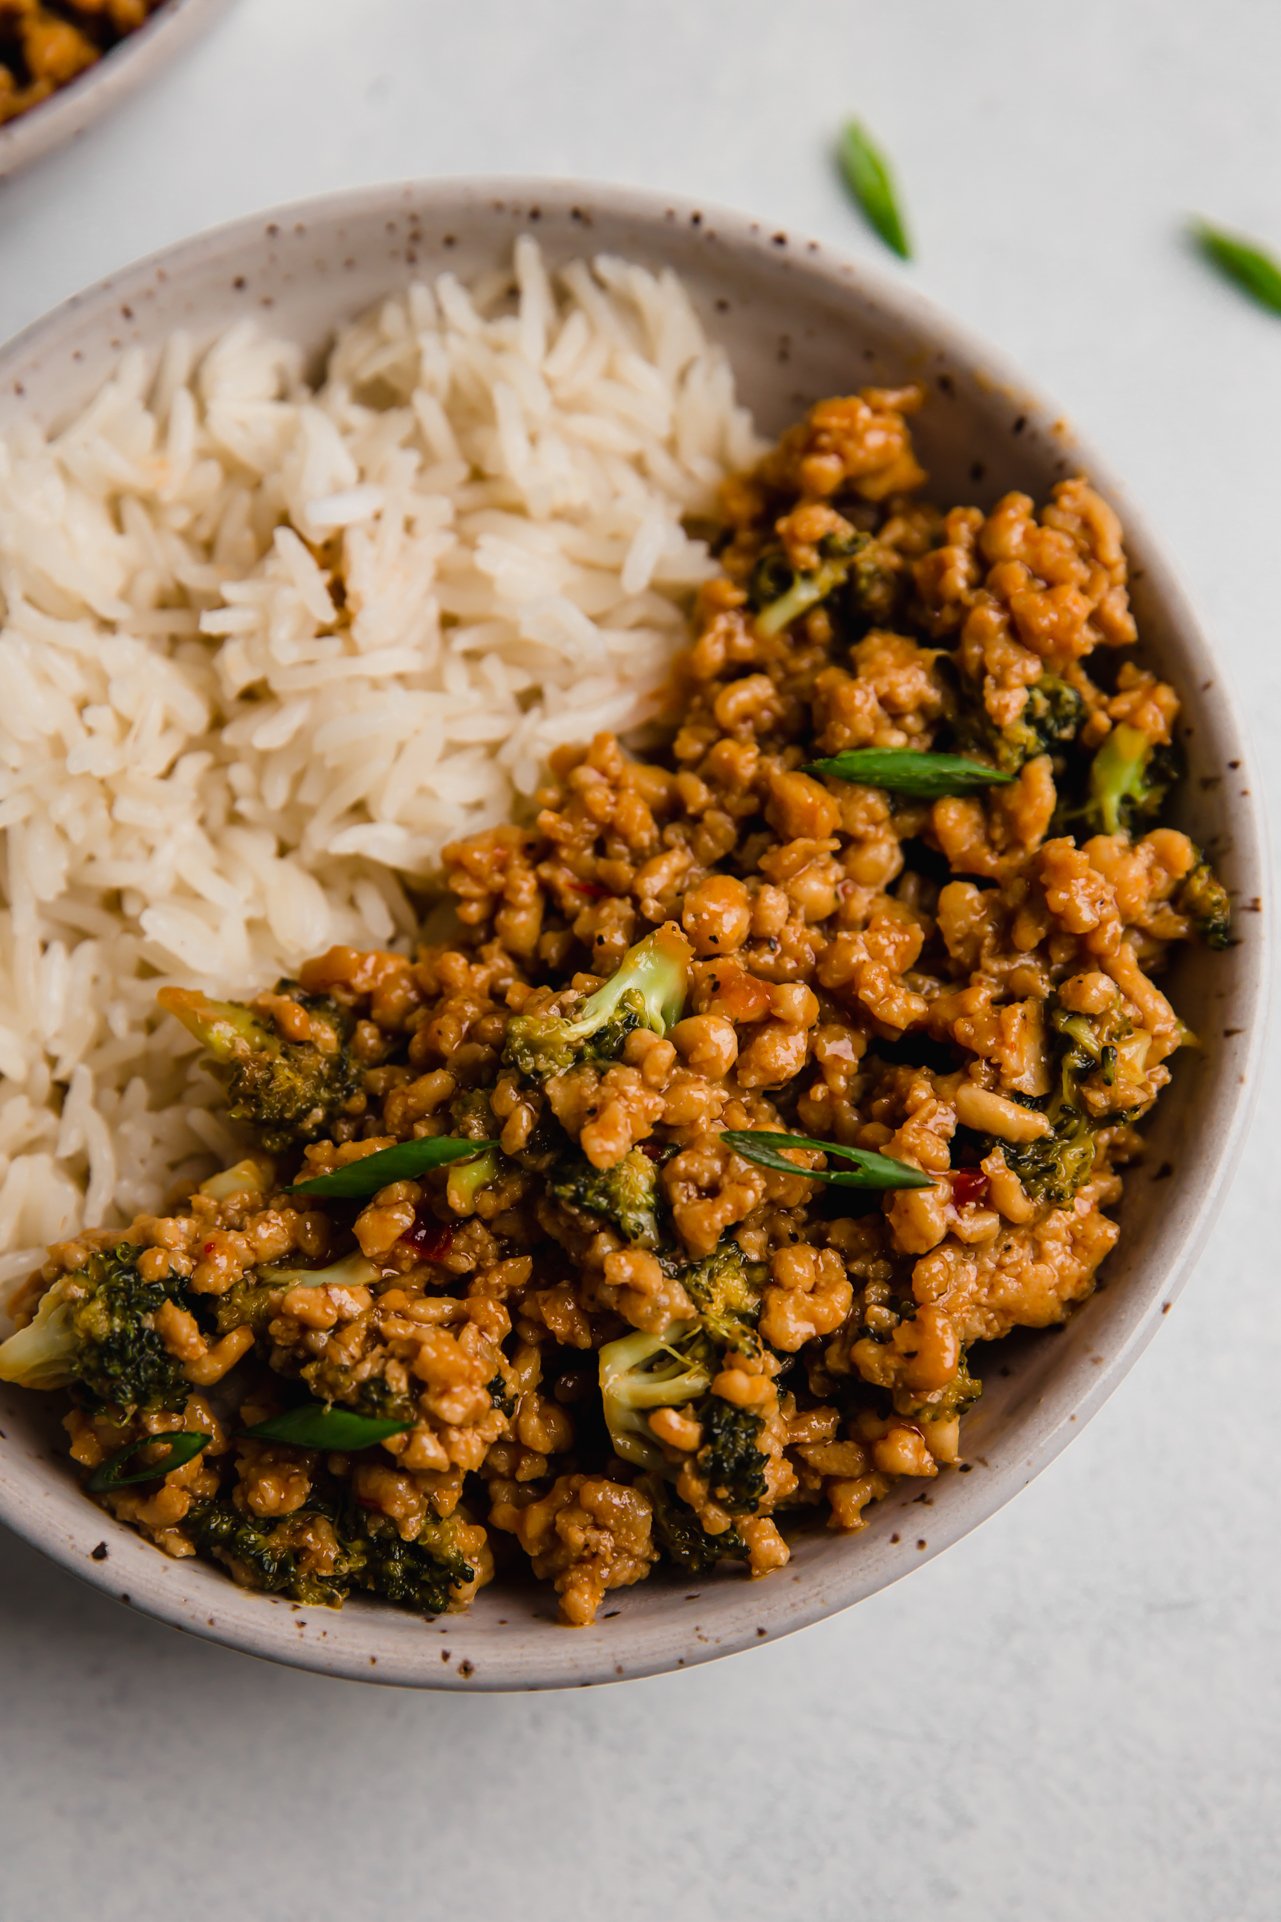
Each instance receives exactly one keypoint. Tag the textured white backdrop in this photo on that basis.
(1073, 1714)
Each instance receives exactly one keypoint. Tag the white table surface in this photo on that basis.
(1074, 1713)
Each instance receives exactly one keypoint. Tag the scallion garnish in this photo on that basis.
(869, 1170)
(320, 1425)
(868, 177)
(182, 1448)
(910, 770)
(401, 1163)
(1248, 267)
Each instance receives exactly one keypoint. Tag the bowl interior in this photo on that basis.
(797, 325)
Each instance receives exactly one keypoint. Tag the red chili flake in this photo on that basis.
(208, 1247)
(652, 1149)
(968, 1185)
(592, 889)
(430, 1239)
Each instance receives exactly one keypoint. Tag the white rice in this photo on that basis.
(208, 770)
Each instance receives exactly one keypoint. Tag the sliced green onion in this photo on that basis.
(320, 1425)
(183, 1447)
(1248, 267)
(869, 1170)
(401, 1163)
(867, 174)
(910, 770)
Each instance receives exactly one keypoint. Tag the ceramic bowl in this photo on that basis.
(798, 323)
(74, 108)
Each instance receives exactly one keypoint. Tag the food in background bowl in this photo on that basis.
(46, 44)
(768, 1068)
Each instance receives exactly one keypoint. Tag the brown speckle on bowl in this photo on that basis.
(466, 1669)
(922, 1543)
(101, 1552)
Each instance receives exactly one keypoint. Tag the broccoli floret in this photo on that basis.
(648, 991)
(641, 1372)
(681, 1537)
(780, 593)
(1054, 1167)
(731, 1460)
(1101, 1062)
(361, 1385)
(1203, 898)
(289, 1091)
(725, 1288)
(626, 1194)
(340, 1373)
(420, 1575)
(266, 1553)
(1130, 778)
(95, 1327)
(1051, 717)
(465, 1180)
(942, 1404)
(261, 1552)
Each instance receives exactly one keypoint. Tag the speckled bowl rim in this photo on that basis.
(140, 1576)
(70, 112)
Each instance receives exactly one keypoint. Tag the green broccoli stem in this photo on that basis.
(95, 1326)
(639, 1373)
(647, 991)
(289, 1091)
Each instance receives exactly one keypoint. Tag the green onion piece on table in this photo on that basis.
(868, 177)
(401, 1163)
(868, 1171)
(1248, 267)
(910, 770)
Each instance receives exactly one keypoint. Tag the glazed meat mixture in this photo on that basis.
(46, 43)
(744, 1104)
